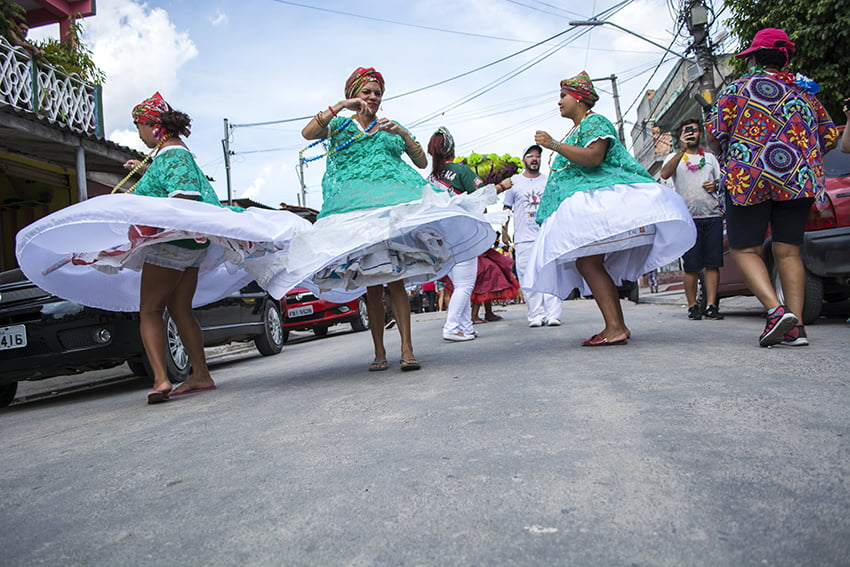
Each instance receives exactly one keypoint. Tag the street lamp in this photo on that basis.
(628, 31)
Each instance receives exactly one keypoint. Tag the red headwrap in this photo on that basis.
(581, 88)
(149, 110)
(360, 77)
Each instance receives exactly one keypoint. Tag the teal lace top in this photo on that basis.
(368, 173)
(618, 166)
(174, 172)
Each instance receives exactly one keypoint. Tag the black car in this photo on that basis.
(42, 336)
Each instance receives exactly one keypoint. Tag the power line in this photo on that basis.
(604, 14)
(536, 9)
(468, 34)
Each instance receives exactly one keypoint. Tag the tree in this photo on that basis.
(821, 30)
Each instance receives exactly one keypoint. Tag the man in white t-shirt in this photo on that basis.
(694, 173)
(523, 198)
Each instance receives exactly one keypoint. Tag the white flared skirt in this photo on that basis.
(420, 241)
(89, 254)
(637, 227)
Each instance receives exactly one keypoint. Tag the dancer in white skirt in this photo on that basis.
(604, 219)
(141, 252)
(381, 222)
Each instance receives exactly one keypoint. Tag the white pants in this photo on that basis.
(459, 312)
(540, 305)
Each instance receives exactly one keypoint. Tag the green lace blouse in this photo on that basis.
(367, 173)
(174, 172)
(617, 167)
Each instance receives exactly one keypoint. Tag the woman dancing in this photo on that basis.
(381, 223)
(146, 269)
(603, 217)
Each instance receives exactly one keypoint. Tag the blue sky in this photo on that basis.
(265, 60)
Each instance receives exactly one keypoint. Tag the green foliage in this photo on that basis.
(72, 56)
(492, 168)
(10, 15)
(821, 30)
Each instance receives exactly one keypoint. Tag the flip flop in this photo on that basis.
(158, 396)
(602, 340)
(192, 390)
(378, 365)
(409, 364)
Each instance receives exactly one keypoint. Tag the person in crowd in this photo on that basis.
(381, 222)
(523, 198)
(695, 174)
(456, 179)
(604, 219)
(443, 295)
(429, 289)
(495, 283)
(771, 133)
(845, 137)
(17, 36)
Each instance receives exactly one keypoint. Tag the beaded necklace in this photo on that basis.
(691, 166)
(342, 146)
(564, 139)
(139, 166)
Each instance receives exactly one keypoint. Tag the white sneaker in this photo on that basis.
(536, 322)
(554, 322)
(457, 337)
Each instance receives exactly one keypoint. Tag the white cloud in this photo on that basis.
(141, 52)
(129, 138)
(219, 19)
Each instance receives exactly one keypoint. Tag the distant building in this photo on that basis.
(661, 110)
(52, 147)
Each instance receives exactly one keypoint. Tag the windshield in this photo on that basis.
(836, 164)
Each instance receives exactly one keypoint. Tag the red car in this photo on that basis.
(304, 311)
(825, 250)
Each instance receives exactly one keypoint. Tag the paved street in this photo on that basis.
(689, 446)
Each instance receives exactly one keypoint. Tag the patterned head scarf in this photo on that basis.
(149, 110)
(360, 77)
(448, 142)
(581, 88)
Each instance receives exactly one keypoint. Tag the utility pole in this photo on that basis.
(302, 197)
(696, 18)
(616, 95)
(225, 145)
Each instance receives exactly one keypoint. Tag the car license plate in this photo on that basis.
(13, 337)
(299, 311)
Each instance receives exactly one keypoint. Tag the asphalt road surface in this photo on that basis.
(688, 446)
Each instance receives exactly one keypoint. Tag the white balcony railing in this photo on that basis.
(48, 91)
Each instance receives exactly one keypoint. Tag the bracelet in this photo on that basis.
(319, 119)
(557, 147)
(331, 108)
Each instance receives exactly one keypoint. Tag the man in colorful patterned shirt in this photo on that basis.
(771, 133)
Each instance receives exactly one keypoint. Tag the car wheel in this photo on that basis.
(176, 358)
(320, 332)
(7, 394)
(813, 294)
(285, 335)
(271, 341)
(361, 321)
